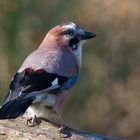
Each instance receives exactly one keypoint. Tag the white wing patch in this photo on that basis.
(54, 85)
(55, 82)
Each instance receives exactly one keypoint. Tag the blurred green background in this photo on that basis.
(106, 99)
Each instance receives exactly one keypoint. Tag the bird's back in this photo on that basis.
(60, 61)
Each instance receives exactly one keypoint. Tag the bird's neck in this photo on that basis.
(47, 42)
(78, 52)
(51, 40)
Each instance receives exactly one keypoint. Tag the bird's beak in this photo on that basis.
(87, 35)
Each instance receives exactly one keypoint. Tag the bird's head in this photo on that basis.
(69, 35)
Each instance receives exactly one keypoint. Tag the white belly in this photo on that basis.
(43, 107)
(49, 106)
(46, 100)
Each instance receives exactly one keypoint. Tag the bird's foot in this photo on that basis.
(64, 131)
(33, 121)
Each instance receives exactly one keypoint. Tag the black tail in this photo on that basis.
(15, 108)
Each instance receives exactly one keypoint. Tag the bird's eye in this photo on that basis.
(68, 32)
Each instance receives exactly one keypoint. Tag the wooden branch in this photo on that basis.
(17, 130)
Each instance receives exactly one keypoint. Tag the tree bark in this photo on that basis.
(17, 130)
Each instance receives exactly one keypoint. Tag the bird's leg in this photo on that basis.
(62, 128)
(65, 130)
(58, 109)
(33, 121)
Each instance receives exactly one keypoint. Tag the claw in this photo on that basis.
(65, 130)
(33, 121)
(29, 121)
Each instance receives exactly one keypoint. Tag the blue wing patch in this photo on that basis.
(70, 82)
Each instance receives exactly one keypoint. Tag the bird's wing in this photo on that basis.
(26, 85)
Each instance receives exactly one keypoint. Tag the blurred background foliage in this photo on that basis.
(106, 99)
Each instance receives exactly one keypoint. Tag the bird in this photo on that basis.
(43, 83)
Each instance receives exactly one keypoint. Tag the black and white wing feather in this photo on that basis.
(26, 85)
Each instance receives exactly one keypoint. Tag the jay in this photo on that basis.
(42, 84)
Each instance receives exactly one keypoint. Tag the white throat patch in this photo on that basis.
(78, 51)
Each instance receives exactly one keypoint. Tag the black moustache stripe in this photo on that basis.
(74, 41)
